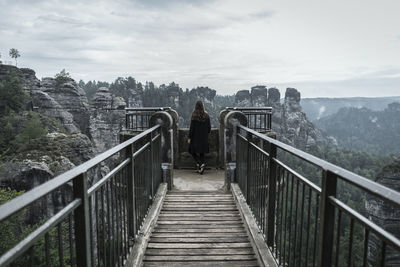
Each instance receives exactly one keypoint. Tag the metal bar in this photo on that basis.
(28, 241)
(131, 193)
(295, 223)
(301, 222)
(249, 161)
(315, 228)
(290, 217)
(18, 203)
(338, 237)
(46, 249)
(365, 252)
(103, 227)
(286, 210)
(308, 223)
(383, 254)
(108, 219)
(350, 242)
(60, 245)
(91, 225)
(327, 216)
(81, 218)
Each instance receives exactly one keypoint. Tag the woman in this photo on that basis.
(200, 127)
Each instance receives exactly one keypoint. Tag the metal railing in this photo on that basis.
(305, 224)
(258, 118)
(138, 119)
(98, 225)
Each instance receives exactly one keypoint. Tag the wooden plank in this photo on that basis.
(198, 197)
(200, 230)
(199, 214)
(196, 202)
(202, 263)
(186, 192)
(203, 235)
(159, 222)
(212, 206)
(200, 258)
(205, 251)
(198, 226)
(199, 245)
(199, 209)
(195, 213)
(199, 218)
(198, 240)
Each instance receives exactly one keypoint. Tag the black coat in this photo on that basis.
(198, 134)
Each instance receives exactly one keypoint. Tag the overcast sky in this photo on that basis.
(330, 48)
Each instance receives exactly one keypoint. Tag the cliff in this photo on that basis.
(288, 121)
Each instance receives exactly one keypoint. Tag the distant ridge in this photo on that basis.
(316, 108)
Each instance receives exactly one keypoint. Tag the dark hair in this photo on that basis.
(199, 112)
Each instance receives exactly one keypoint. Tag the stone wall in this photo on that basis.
(185, 160)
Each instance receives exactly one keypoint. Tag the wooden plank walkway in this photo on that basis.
(200, 228)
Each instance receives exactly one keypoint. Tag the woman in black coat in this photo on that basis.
(200, 127)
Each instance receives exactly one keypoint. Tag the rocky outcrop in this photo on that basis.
(107, 117)
(385, 214)
(205, 94)
(59, 153)
(288, 121)
(259, 95)
(173, 94)
(243, 98)
(71, 98)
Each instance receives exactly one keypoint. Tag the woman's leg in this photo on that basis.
(196, 157)
(202, 163)
(202, 158)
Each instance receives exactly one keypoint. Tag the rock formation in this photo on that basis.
(288, 121)
(71, 98)
(107, 117)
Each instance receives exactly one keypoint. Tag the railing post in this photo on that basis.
(81, 218)
(151, 167)
(271, 194)
(327, 216)
(131, 194)
(249, 138)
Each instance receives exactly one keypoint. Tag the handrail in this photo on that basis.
(355, 179)
(285, 204)
(18, 203)
(250, 108)
(147, 108)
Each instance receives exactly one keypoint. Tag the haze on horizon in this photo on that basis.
(322, 48)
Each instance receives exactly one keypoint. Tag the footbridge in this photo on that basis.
(260, 203)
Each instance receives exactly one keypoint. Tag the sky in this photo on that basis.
(324, 48)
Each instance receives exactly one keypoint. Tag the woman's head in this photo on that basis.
(199, 112)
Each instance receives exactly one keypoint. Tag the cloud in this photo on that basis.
(225, 44)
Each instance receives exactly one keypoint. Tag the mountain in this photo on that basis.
(316, 108)
(365, 129)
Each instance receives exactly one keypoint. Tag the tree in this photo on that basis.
(12, 95)
(14, 53)
(33, 130)
(62, 77)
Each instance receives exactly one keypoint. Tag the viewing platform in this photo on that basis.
(260, 202)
